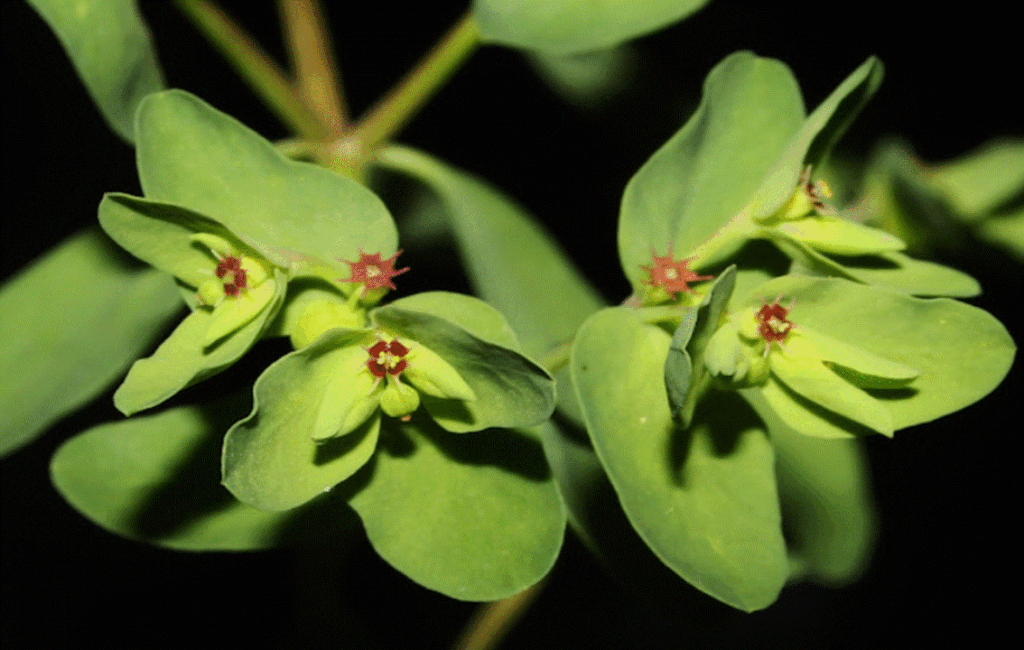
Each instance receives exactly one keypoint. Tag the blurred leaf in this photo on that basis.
(70, 324)
(109, 46)
(587, 79)
(155, 478)
(704, 499)
(573, 26)
(476, 517)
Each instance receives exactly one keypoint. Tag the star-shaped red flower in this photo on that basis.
(671, 275)
(373, 272)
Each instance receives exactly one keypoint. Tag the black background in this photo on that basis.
(945, 491)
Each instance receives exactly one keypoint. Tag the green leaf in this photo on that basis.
(473, 517)
(161, 234)
(705, 174)
(511, 390)
(155, 479)
(827, 510)
(704, 500)
(70, 324)
(185, 358)
(109, 46)
(271, 459)
(194, 156)
(588, 79)
(811, 145)
(962, 352)
(574, 26)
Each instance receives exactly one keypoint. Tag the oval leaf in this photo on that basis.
(474, 517)
(704, 500)
(192, 155)
(704, 175)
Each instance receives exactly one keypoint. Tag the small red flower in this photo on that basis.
(672, 276)
(773, 322)
(387, 358)
(373, 272)
(239, 280)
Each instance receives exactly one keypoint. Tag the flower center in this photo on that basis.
(387, 358)
(773, 323)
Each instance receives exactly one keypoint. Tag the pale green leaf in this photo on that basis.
(705, 174)
(155, 478)
(109, 46)
(194, 156)
(811, 145)
(70, 324)
(704, 500)
(474, 517)
(271, 459)
(573, 26)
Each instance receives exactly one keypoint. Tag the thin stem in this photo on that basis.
(492, 621)
(254, 66)
(398, 106)
(316, 72)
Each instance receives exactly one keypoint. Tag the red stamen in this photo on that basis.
(773, 322)
(386, 358)
(671, 275)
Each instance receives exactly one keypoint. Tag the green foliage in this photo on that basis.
(712, 417)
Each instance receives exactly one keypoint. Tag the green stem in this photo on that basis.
(492, 621)
(316, 71)
(398, 107)
(254, 66)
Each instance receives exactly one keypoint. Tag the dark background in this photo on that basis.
(944, 491)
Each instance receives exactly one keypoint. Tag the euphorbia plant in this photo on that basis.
(765, 333)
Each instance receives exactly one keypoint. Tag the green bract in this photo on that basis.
(233, 221)
(743, 167)
(319, 410)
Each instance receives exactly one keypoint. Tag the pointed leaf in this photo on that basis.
(192, 155)
(704, 175)
(70, 324)
(704, 500)
(155, 479)
(812, 143)
(109, 46)
(474, 517)
(572, 26)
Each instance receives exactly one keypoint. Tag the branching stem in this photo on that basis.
(254, 66)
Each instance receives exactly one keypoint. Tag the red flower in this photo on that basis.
(387, 358)
(373, 272)
(773, 322)
(672, 276)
